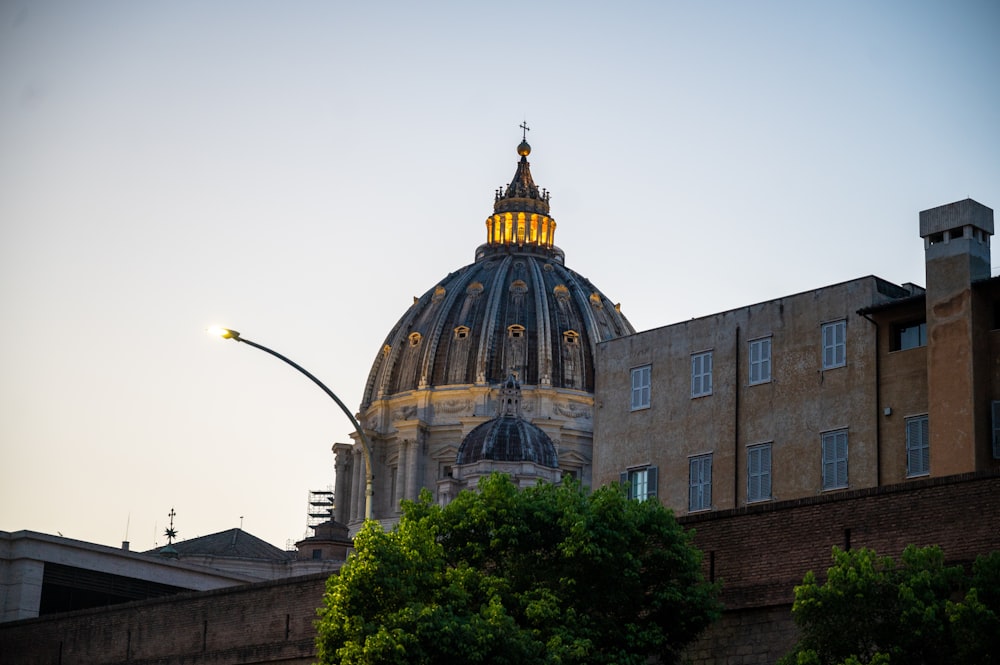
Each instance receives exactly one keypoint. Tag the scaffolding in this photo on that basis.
(320, 507)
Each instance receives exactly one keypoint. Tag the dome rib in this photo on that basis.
(451, 295)
(490, 320)
(544, 318)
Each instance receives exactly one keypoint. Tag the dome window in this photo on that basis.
(461, 332)
(595, 300)
(571, 337)
(561, 292)
(415, 339)
(518, 286)
(515, 331)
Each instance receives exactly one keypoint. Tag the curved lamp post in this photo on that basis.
(366, 448)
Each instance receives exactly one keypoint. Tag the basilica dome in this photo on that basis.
(517, 308)
(490, 370)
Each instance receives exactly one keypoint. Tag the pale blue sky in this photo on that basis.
(300, 170)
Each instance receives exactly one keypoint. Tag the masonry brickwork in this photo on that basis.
(759, 553)
(268, 622)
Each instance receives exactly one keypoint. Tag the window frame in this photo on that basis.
(762, 364)
(649, 477)
(701, 378)
(899, 330)
(644, 390)
(758, 479)
(833, 462)
(918, 450)
(831, 344)
(699, 483)
(995, 407)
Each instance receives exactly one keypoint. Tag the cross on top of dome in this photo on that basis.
(522, 194)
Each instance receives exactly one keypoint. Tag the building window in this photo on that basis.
(515, 331)
(834, 344)
(701, 374)
(835, 460)
(641, 482)
(760, 360)
(640, 387)
(918, 449)
(571, 337)
(759, 472)
(996, 430)
(700, 483)
(909, 336)
(461, 332)
(415, 339)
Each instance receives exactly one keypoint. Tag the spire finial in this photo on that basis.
(171, 532)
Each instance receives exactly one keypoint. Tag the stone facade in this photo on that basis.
(849, 386)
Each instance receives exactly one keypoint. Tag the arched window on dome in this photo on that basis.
(461, 332)
(515, 331)
(415, 338)
(571, 337)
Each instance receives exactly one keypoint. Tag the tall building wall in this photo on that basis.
(788, 403)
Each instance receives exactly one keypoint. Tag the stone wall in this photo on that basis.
(269, 622)
(759, 553)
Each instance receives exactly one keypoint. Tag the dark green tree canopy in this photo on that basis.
(548, 574)
(874, 610)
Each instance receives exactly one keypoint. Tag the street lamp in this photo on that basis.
(366, 447)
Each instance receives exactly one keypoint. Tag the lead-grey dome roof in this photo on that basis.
(517, 308)
(508, 439)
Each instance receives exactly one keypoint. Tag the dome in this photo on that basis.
(508, 439)
(490, 370)
(517, 308)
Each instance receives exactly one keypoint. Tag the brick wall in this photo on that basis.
(760, 553)
(269, 622)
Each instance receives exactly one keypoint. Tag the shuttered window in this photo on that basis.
(641, 482)
(701, 374)
(918, 449)
(759, 472)
(641, 377)
(996, 430)
(834, 344)
(700, 483)
(835, 459)
(760, 360)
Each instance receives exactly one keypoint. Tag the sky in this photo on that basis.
(299, 171)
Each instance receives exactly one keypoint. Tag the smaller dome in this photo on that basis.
(523, 149)
(508, 439)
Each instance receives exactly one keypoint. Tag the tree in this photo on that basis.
(874, 610)
(548, 574)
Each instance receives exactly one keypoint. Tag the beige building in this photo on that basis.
(849, 386)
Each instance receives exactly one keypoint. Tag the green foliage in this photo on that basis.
(549, 574)
(873, 610)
